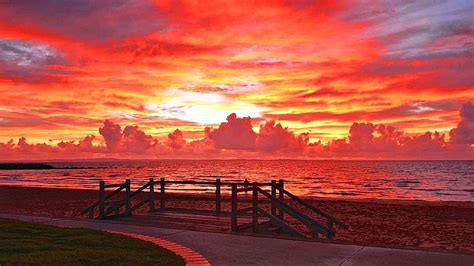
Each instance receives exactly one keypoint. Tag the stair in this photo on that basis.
(254, 219)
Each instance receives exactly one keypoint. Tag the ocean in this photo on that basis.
(404, 180)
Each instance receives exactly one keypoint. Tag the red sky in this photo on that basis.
(318, 79)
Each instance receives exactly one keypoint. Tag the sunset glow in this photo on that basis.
(344, 79)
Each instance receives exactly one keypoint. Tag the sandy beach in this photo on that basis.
(412, 224)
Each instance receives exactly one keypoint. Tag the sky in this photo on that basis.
(236, 79)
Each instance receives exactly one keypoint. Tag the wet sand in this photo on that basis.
(412, 224)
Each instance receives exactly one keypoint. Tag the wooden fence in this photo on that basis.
(276, 198)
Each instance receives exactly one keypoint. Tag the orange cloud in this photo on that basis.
(237, 139)
(315, 66)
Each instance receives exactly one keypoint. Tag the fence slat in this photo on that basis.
(162, 193)
(128, 207)
(101, 200)
(234, 208)
(218, 195)
(273, 197)
(281, 196)
(254, 209)
(152, 195)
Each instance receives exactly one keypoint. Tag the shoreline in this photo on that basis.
(60, 160)
(315, 198)
(441, 226)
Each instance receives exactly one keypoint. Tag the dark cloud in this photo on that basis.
(86, 19)
(463, 133)
(30, 61)
(410, 29)
(19, 118)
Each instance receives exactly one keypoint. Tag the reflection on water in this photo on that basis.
(426, 180)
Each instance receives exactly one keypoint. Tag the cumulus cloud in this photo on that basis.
(238, 134)
(427, 143)
(380, 141)
(235, 134)
(361, 134)
(463, 133)
(23, 147)
(136, 140)
(132, 139)
(175, 140)
(112, 134)
(236, 138)
(273, 136)
(84, 145)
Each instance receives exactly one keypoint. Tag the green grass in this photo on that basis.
(23, 243)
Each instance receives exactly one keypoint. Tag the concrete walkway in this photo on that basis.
(226, 249)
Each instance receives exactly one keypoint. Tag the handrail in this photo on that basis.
(319, 211)
(138, 205)
(90, 207)
(245, 210)
(281, 223)
(121, 186)
(310, 222)
(141, 203)
(108, 196)
(115, 185)
(212, 183)
(245, 189)
(140, 189)
(273, 193)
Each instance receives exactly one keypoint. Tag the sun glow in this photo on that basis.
(202, 108)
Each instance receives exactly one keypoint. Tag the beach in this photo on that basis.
(441, 226)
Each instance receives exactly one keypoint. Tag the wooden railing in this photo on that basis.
(330, 219)
(102, 203)
(278, 203)
(273, 193)
(106, 207)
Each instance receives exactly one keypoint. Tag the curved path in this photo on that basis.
(190, 256)
(227, 249)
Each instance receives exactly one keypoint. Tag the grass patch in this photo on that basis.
(31, 243)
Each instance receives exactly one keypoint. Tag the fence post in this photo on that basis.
(234, 208)
(331, 224)
(128, 205)
(162, 193)
(152, 195)
(281, 196)
(273, 197)
(254, 209)
(218, 195)
(314, 233)
(101, 200)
